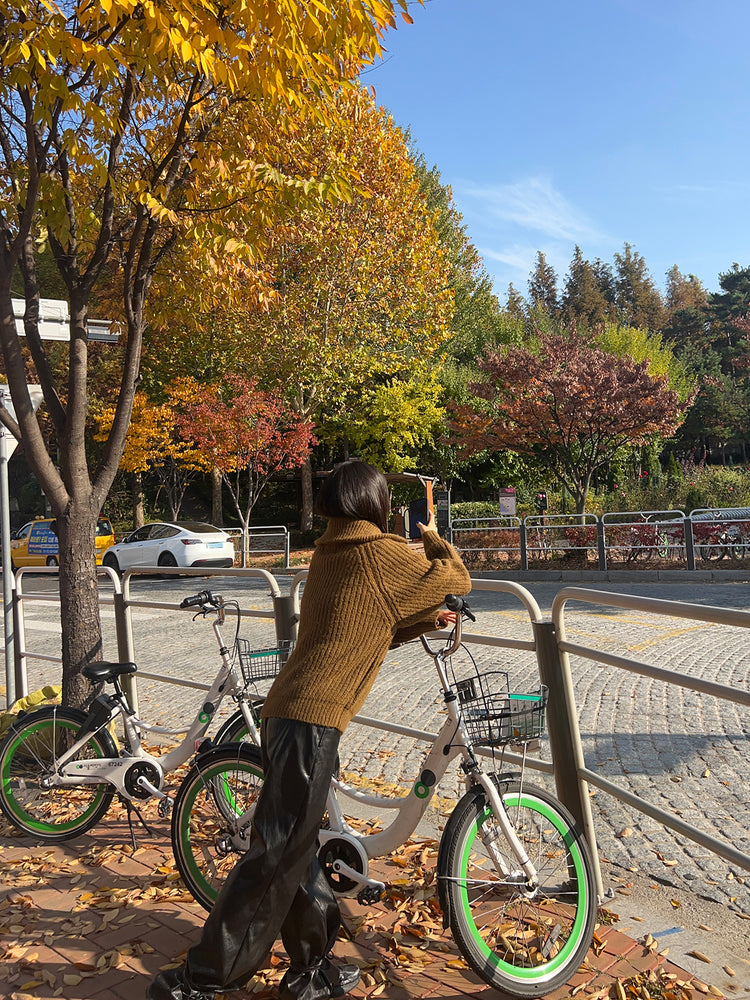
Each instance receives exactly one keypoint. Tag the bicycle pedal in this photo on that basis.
(369, 894)
(165, 806)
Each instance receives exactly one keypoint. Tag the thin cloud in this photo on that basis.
(535, 204)
(521, 258)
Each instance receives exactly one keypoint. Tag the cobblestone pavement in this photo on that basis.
(684, 752)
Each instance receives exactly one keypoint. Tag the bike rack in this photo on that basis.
(552, 649)
(695, 612)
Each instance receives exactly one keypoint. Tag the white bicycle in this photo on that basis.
(60, 767)
(515, 877)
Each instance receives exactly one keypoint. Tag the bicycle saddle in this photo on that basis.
(107, 671)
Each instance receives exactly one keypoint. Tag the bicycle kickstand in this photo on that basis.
(133, 808)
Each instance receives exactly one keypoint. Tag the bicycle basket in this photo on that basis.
(494, 715)
(260, 664)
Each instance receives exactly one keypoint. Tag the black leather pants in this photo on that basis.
(277, 887)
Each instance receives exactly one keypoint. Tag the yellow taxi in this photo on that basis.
(35, 544)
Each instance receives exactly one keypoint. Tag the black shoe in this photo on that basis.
(171, 985)
(322, 983)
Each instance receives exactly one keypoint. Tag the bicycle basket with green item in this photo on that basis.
(494, 715)
(261, 663)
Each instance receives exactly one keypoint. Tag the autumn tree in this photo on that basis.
(250, 435)
(363, 295)
(569, 402)
(126, 130)
(157, 443)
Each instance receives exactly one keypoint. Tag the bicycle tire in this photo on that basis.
(27, 754)
(526, 943)
(234, 730)
(220, 786)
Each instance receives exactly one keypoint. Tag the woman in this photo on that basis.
(366, 591)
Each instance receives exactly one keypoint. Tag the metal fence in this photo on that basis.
(669, 538)
(260, 540)
(546, 640)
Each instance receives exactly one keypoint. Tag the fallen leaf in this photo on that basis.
(700, 956)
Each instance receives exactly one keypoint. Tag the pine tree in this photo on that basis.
(543, 286)
(584, 303)
(638, 300)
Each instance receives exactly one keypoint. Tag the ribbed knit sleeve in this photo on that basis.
(364, 591)
(415, 585)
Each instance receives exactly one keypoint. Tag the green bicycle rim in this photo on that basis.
(200, 786)
(549, 968)
(23, 817)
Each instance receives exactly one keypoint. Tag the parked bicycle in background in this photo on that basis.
(60, 767)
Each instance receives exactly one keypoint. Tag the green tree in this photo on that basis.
(637, 298)
(584, 304)
(543, 292)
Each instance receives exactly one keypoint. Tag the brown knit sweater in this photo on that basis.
(365, 592)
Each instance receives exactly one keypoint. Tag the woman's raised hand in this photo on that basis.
(430, 526)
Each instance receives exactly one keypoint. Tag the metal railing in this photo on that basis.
(664, 538)
(256, 541)
(675, 609)
(547, 642)
(123, 604)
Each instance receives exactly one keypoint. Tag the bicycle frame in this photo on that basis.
(452, 741)
(115, 770)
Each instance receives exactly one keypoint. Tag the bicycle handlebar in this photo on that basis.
(458, 604)
(205, 597)
(462, 610)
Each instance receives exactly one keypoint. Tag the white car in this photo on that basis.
(185, 544)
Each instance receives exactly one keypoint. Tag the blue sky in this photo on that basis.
(589, 122)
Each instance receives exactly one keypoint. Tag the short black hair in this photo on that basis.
(357, 491)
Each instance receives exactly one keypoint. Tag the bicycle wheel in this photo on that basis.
(234, 730)
(29, 754)
(220, 787)
(524, 941)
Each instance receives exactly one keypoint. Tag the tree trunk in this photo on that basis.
(136, 490)
(306, 517)
(217, 510)
(79, 603)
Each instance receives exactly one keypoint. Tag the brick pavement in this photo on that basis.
(93, 918)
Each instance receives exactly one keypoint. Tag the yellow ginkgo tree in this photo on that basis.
(130, 129)
(156, 443)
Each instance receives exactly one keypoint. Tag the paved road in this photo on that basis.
(682, 751)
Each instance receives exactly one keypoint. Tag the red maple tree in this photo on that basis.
(568, 402)
(249, 435)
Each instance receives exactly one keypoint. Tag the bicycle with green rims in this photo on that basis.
(514, 874)
(61, 767)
